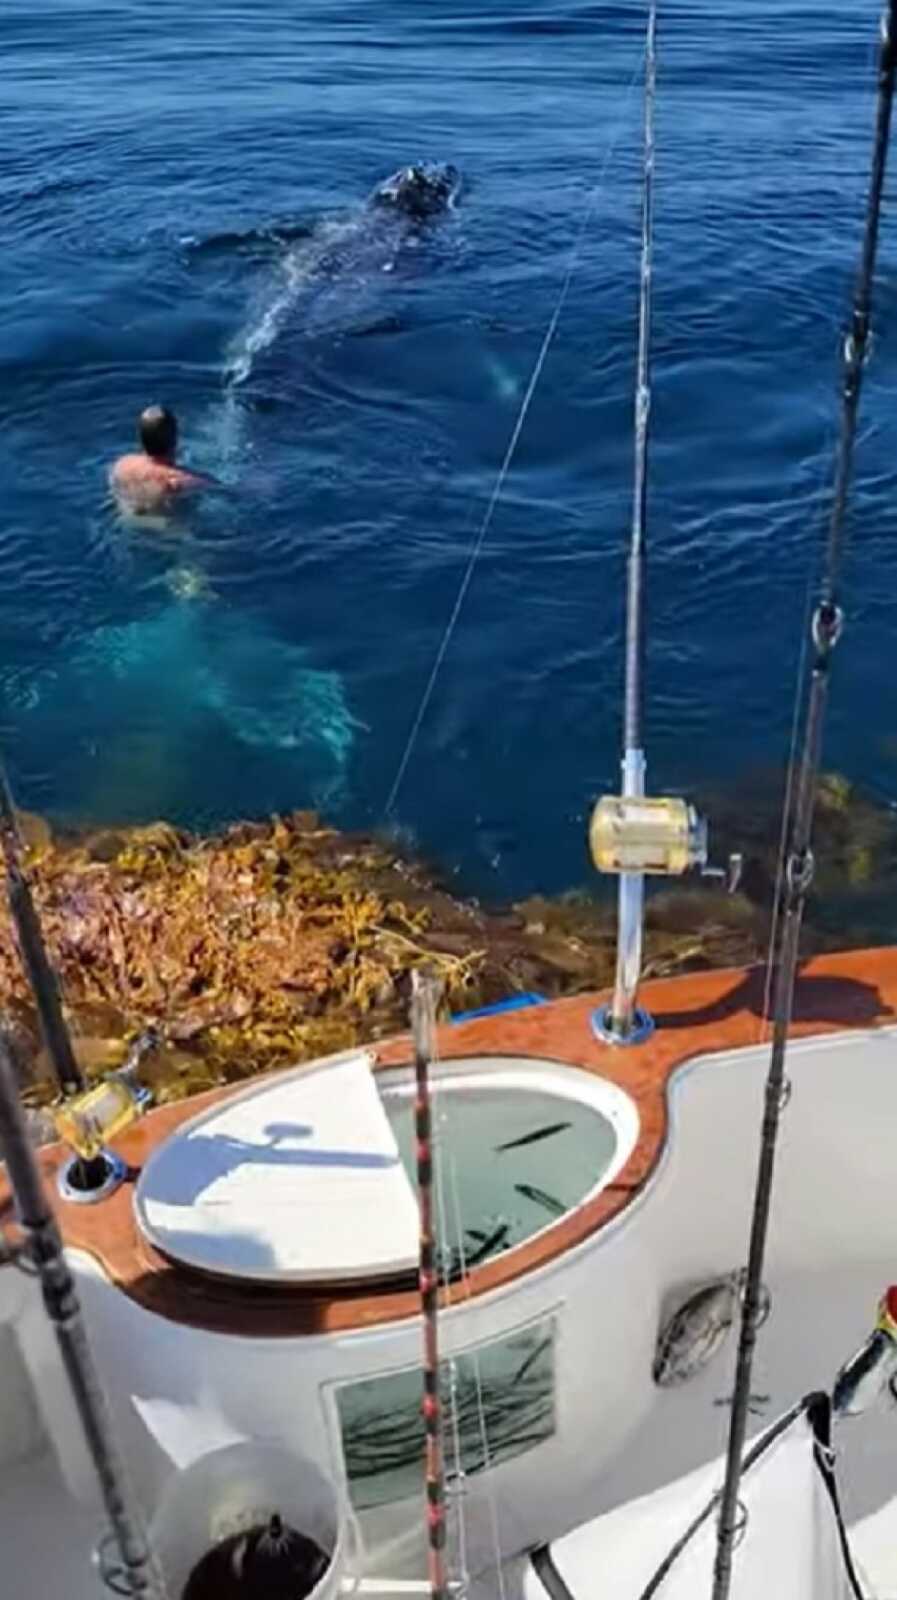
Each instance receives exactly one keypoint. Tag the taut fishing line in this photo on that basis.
(523, 412)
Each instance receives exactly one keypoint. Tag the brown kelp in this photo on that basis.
(271, 942)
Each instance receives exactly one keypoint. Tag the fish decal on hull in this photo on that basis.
(695, 1332)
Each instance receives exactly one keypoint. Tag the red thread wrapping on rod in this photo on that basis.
(431, 1404)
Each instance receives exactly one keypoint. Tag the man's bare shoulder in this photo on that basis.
(126, 468)
(141, 484)
(139, 469)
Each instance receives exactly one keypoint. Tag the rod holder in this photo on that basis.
(641, 1026)
(83, 1183)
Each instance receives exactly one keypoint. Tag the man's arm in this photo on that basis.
(188, 479)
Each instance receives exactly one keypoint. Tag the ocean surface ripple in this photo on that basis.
(182, 200)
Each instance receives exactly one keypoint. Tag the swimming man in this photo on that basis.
(151, 480)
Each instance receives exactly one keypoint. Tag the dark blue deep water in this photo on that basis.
(179, 199)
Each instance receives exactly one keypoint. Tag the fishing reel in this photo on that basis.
(87, 1121)
(664, 837)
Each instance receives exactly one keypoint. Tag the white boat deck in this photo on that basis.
(47, 1538)
(48, 1543)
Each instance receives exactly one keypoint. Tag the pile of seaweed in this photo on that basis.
(272, 942)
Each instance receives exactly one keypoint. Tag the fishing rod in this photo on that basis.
(424, 991)
(88, 1172)
(35, 960)
(825, 628)
(43, 1252)
(631, 894)
(629, 834)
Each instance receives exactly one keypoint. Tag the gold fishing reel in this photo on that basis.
(87, 1121)
(664, 837)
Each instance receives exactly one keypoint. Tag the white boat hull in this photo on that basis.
(178, 1391)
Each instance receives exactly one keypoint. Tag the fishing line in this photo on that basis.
(526, 402)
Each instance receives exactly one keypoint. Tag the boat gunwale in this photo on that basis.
(698, 1015)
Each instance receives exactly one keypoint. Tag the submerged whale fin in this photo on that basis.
(269, 697)
(259, 239)
(145, 697)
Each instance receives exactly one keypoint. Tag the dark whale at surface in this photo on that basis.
(330, 277)
(413, 194)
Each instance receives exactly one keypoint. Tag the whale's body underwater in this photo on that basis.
(328, 276)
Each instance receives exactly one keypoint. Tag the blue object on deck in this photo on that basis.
(515, 1002)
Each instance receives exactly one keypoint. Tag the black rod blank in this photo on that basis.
(35, 960)
(826, 630)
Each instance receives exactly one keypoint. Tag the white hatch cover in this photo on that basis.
(297, 1179)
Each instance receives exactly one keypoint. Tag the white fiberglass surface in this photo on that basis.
(48, 1539)
(517, 1145)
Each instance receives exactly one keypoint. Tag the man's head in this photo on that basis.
(158, 432)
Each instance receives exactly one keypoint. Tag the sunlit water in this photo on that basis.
(181, 196)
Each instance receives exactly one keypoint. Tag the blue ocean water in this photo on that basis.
(177, 189)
